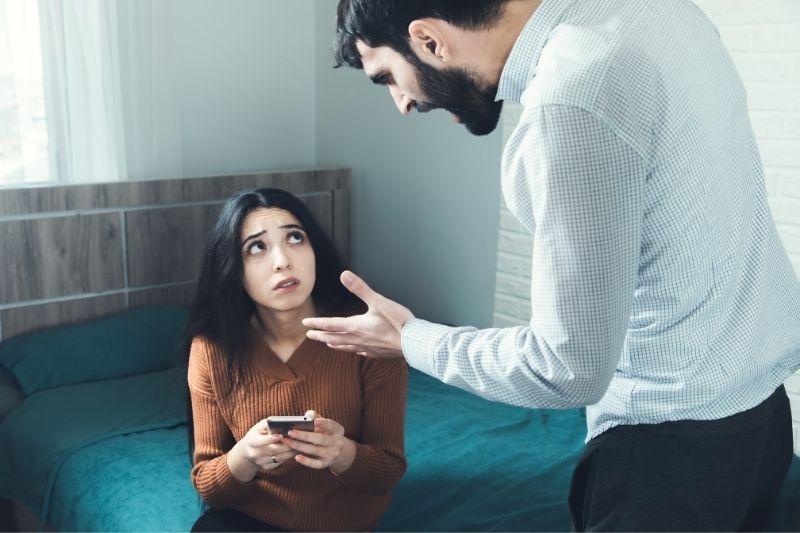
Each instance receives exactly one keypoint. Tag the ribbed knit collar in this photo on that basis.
(300, 364)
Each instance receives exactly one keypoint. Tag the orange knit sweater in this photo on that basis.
(366, 396)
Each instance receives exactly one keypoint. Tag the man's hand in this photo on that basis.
(376, 333)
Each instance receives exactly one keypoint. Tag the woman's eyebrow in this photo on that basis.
(292, 226)
(253, 236)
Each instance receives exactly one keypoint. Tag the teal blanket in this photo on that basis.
(474, 465)
(52, 425)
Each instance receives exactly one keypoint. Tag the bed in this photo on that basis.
(96, 441)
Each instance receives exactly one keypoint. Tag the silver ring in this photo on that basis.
(274, 460)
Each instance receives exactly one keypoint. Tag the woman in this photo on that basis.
(268, 265)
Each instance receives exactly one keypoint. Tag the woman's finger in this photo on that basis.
(311, 462)
(313, 437)
(311, 449)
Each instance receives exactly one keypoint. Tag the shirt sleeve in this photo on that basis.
(578, 186)
(213, 439)
(380, 462)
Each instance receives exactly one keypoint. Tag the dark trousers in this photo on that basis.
(229, 520)
(717, 475)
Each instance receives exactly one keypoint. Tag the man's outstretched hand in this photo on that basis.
(376, 333)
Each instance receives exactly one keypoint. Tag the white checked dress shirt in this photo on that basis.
(660, 289)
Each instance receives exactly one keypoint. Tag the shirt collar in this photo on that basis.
(520, 67)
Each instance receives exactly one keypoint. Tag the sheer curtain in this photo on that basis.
(23, 132)
(111, 111)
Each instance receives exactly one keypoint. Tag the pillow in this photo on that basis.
(10, 395)
(142, 340)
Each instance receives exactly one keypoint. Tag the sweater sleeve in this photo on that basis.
(212, 437)
(380, 462)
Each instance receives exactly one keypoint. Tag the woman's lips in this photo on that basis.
(287, 285)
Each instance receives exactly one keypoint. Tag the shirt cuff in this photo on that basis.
(419, 340)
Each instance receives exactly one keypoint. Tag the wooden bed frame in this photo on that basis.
(77, 252)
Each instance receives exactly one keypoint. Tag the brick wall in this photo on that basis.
(764, 39)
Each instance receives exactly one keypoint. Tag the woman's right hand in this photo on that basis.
(257, 450)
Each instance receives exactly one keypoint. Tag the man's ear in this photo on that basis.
(428, 40)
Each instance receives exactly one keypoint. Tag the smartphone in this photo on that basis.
(282, 424)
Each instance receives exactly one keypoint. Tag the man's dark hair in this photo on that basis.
(385, 22)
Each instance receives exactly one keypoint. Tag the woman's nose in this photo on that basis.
(281, 259)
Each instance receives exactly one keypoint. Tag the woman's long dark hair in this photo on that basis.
(222, 309)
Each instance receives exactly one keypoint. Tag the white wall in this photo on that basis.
(246, 78)
(425, 193)
(764, 40)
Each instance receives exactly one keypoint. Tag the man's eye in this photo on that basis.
(295, 237)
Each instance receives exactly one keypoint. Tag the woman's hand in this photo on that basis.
(325, 447)
(257, 450)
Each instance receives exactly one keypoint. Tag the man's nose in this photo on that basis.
(404, 103)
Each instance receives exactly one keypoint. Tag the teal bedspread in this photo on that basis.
(52, 425)
(473, 465)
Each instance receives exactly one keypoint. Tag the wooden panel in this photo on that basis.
(166, 245)
(60, 256)
(36, 317)
(160, 192)
(341, 222)
(321, 206)
(180, 295)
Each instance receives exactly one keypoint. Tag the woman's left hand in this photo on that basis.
(325, 447)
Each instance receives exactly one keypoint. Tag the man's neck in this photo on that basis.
(492, 47)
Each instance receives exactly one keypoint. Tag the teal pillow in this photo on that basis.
(142, 340)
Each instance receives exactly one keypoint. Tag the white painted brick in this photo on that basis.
(517, 286)
(769, 125)
(514, 307)
(514, 243)
(792, 126)
(785, 210)
(780, 153)
(772, 97)
(793, 384)
(510, 264)
(747, 12)
(790, 183)
(505, 321)
(737, 39)
(774, 182)
(790, 236)
(781, 38)
(780, 68)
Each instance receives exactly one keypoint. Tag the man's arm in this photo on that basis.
(582, 187)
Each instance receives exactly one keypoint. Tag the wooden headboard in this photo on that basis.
(77, 252)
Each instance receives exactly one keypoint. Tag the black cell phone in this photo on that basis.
(282, 424)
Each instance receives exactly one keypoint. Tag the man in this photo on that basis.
(662, 297)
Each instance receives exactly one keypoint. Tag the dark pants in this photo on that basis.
(717, 475)
(230, 520)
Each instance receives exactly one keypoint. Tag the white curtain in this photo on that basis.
(23, 132)
(111, 107)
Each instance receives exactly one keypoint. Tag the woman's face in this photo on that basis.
(279, 263)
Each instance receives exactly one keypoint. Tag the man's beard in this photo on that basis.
(461, 93)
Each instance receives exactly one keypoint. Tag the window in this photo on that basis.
(24, 156)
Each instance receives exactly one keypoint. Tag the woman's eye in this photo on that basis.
(256, 248)
(295, 237)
